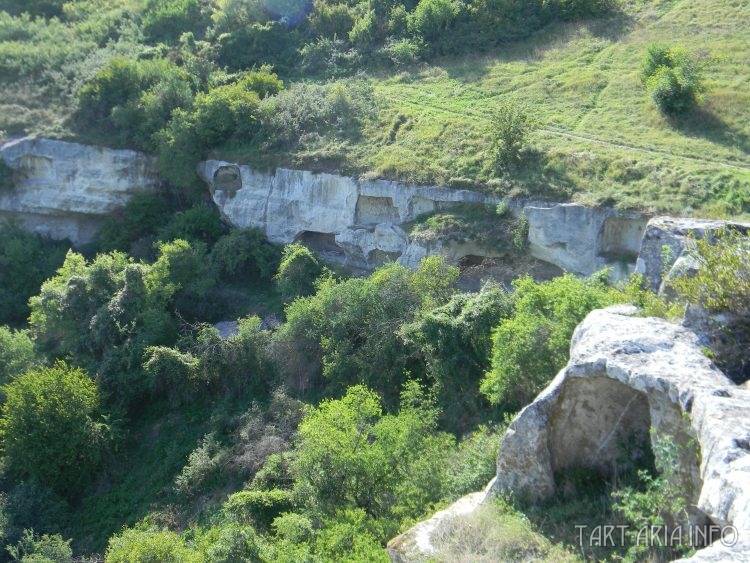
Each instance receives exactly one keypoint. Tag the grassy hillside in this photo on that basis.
(600, 138)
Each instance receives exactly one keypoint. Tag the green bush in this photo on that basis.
(49, 428)
(349, 329)
(512, 125)
(350, 455)
(455, 342)
(197, 224)
(17, 353)
(45, 549)
(235, 544)
(432, 19)
(673, 78)
(298, 270)
(533, 344)
(259, 508)
(150, 545)
(166, 21)
(132, 101)
(245, 253)
(225, 111)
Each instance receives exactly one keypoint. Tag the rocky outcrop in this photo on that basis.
(626, 375)
(366, 219)
(664, 246)
(418, 542)
(583, 239)
(64, 190)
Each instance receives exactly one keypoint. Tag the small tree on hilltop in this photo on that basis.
(673, 78)
(512, 124)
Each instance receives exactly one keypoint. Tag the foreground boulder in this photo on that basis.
(626, 375)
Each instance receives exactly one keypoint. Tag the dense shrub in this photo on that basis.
(270, 42)
(197, 224)
(511, 126)
(243, 254)
(339, 108)
(352, 326)
(298, 270)
(225, 111)
(49, 428)
(259, 508)
(145, 544)
(350, 455)
(17, 353)
(133, 100)
(673, 79)
(26, 260)
(455, 341)
(533, 344)
(166, 21)
(432, 19)
(45, 549)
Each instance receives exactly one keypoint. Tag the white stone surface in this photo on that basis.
(67, 188)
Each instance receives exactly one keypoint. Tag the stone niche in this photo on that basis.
(620, 237)
(373, 210)
(228, 179)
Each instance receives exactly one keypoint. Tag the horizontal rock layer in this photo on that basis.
(64, 190)
(364, 219)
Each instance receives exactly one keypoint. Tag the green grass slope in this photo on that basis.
(600, 139)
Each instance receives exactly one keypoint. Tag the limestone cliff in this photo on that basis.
(364, 221)
(64, 190)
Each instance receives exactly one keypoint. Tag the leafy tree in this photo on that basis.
(17, 353)
(45, 549)
(455, 341)
(49, 429)
(352, 326)
(511, 126)
(298, 270)
(533, 343)
(352, 456)
(673, 79)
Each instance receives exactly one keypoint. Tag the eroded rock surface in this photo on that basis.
(367, 219)
(627, 374)
(664, 246)
(64, 190)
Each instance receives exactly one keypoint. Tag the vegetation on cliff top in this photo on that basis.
(188, 78)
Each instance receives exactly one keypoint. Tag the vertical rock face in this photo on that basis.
(65, 189)
(366, 219)
(583, 239)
